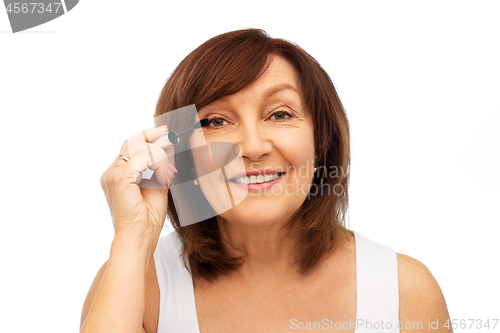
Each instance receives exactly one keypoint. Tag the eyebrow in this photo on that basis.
(273, 90)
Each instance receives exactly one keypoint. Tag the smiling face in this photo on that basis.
(269, 122)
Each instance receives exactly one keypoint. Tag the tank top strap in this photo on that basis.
(177, 304)
(377, 307)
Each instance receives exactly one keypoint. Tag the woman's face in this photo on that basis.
(274, 132)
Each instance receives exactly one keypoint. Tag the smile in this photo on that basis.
(257, 179)
(257, 183)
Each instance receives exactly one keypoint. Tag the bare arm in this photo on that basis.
(116, 299)
(92, 292)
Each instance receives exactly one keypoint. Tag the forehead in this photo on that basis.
(279, 69)
(280, 76)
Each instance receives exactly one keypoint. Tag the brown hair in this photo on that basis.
(222, 66)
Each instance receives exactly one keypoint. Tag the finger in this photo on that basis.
(135, 144)
(162, 170)
(170, 151)
(138, 179)
(154, 158)
(163, 142)
(135, 147)
(163, 173)
(150, 134)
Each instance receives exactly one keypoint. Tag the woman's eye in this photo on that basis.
(278, 116)
(281, 115)
(217, 122)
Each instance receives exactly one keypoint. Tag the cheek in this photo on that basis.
(198, 148)
(297, 147)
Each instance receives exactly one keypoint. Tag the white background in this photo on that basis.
(420, 83)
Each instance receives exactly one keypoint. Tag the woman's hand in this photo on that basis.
(116, 300)
(140, 210)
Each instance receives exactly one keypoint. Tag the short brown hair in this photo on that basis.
(222, 66)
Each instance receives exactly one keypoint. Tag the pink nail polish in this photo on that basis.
(169, 173)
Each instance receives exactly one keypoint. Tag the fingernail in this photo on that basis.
(173, 172)
(168, 172)
(168, 176)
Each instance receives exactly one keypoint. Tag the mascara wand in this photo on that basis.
(173, 137)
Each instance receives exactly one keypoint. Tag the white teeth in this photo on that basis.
(257, 180)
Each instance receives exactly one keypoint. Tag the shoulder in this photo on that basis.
(420, 297)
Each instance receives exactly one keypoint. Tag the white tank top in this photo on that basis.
(377, 291)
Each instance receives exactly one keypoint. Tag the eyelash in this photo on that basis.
(278, 120)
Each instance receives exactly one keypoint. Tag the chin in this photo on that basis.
(254, 216)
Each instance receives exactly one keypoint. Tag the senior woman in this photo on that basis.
(277, 261)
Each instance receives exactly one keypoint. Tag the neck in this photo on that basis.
(268, 252)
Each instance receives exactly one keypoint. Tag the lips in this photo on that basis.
(256, 187)
(257, 173)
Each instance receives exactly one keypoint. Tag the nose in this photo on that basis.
(254, 140)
